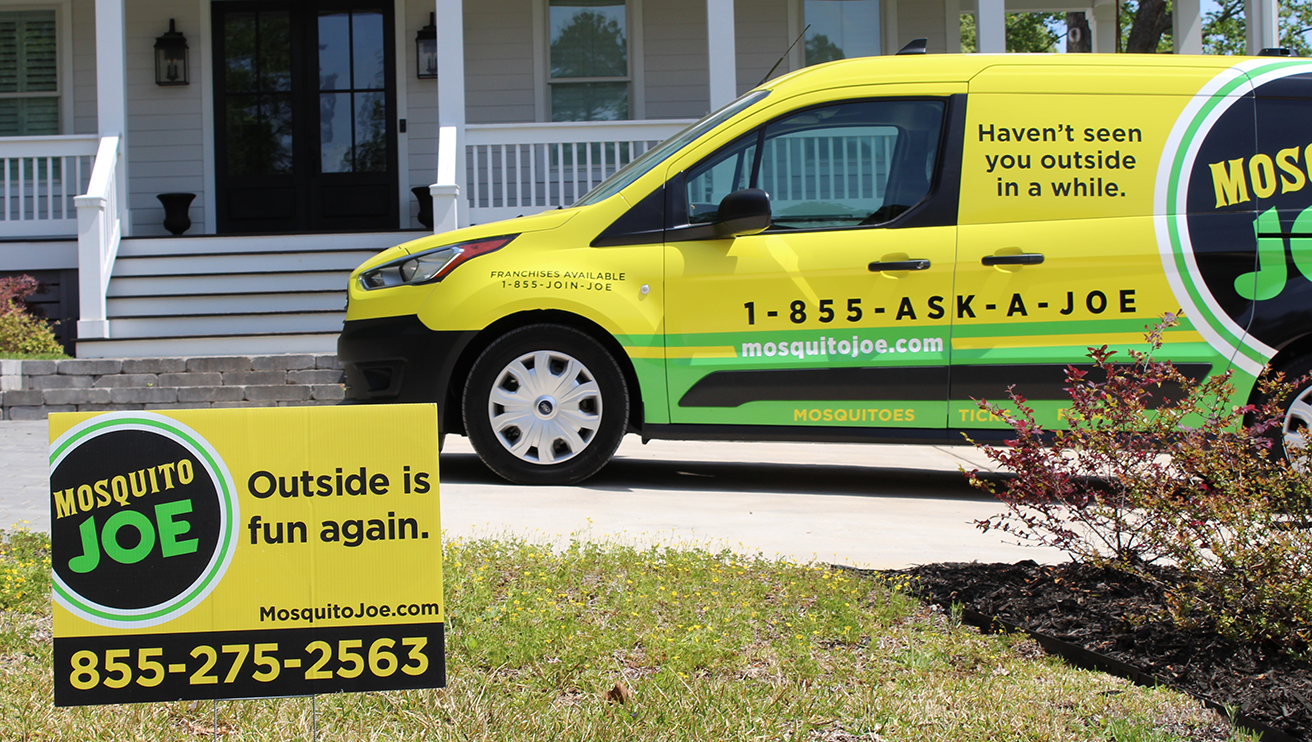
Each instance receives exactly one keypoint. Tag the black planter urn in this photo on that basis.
(425, 205)
(177, 208)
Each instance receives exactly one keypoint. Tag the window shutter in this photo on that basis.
(29, 63)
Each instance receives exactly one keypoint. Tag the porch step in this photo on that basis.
(232, 295)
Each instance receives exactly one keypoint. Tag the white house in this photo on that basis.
(304, 127)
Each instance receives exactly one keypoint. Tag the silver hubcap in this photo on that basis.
(545, 407)
(1298, 429)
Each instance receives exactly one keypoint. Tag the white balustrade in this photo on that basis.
(100, 218)
(41, 177)
(518, 169)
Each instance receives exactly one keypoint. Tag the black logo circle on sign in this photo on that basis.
(141, 523)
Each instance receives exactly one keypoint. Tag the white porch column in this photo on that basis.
(1187, 26)
(991, 26)
(449, 210)
(721, 55)
(1104, 27)
(1262, 30)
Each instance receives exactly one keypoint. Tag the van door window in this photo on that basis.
(851, 164)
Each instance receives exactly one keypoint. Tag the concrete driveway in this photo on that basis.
(878, 506)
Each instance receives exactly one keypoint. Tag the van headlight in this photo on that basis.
(430, 265)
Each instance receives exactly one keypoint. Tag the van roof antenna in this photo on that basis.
(785, 56)
(914, 46)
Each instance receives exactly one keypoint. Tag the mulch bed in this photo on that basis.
(1119, 616)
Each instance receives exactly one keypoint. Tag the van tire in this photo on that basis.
(578, 405)
(1294, 421)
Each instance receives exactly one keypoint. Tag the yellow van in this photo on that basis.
(859, 250)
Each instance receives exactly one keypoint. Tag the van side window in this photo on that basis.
(850, 164)
(725, 172)
(844, 165)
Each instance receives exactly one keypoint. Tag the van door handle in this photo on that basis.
(900, 265)
(1028, 258)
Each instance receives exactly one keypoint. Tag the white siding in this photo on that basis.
(498, 61)
(421, 107)
(674, 34)
(84, 67)
(761, 38)
(165, 124)
(917, 19)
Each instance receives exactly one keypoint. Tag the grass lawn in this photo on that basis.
(611, 642)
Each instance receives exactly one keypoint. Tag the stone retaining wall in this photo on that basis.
(29, 390)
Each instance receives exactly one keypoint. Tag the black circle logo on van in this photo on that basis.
(1230, 193)
(142, 518)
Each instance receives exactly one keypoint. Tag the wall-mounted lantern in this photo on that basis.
(171, 58)
(426, 50)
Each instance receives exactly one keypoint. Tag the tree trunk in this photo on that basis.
(1151, 21)
(1078, 38)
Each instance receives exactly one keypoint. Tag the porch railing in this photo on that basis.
(41, 177)
(517, 169)
(100, 218)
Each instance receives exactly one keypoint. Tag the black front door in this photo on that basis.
(305, 102)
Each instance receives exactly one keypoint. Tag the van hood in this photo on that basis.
(534, 223)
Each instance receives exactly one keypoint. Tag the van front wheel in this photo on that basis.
(545, 404)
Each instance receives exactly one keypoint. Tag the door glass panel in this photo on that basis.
(257, 82)
(367, 50)
(352, 101)
(275, 52)
(239, 49)
(335, 132)
(335, 51)
(370, 132)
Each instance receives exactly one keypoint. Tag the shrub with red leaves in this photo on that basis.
(1157, 467)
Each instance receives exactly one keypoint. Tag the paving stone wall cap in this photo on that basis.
(39, 368)
(10, 367)
(282, 362)
(327, 361)
(219, 363)
(90, 366)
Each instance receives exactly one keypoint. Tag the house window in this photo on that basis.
(29, 73)
(589, 60)
(840, 29)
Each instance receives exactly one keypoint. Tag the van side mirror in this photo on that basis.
(743, 213)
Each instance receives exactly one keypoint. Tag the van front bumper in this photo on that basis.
(399, 360)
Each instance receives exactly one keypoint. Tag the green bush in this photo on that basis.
(20, 331)
(1159, 470)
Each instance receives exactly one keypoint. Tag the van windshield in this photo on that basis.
(648, 160)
